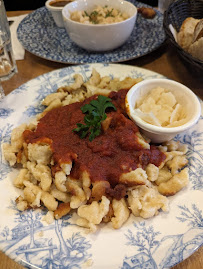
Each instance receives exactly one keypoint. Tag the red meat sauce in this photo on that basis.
(110, 154)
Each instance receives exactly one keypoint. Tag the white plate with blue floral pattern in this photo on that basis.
(39, 35)
(157, 243)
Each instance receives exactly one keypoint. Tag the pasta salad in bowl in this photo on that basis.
(99, 25)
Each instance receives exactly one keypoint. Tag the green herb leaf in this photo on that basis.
(109, 13)
(93, 16)
(95, 114)
(86, 13)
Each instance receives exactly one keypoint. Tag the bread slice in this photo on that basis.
(196, 49)
(186, 33)
(198, 32)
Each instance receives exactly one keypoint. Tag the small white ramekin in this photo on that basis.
(56, 12)
(184, 96)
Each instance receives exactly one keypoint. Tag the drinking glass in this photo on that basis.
(7, 62)
(164, 4)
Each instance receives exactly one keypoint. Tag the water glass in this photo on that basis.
(7, 62)
(163, 5)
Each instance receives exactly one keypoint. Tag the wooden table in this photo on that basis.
(164, 60)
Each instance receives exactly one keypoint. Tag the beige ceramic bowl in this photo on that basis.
(184, 96)
(56, 11)
(99, 37)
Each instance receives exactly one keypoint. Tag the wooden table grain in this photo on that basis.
(163, 60)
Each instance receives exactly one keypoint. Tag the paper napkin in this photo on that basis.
(173, 31)
(18, 50)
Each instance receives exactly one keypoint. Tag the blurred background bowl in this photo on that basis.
(184, 97)
(55, 7)
(176, 13)
(99, 37)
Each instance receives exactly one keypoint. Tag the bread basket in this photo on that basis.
(176, 13)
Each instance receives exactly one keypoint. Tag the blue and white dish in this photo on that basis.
(39, 35)
(157, 243)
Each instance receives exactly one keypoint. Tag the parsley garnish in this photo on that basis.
(86, 13)
(109, 13)
(95, 114)
(93, 17)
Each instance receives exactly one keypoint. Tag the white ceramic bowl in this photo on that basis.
(56, 12)
(99, 37)
(184, 97)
